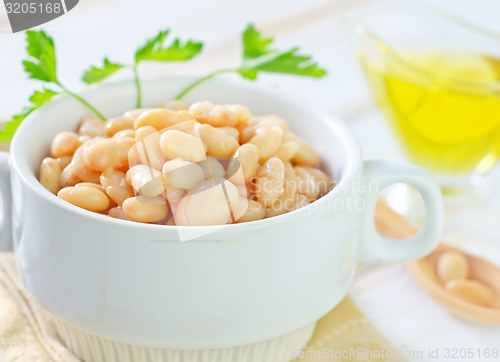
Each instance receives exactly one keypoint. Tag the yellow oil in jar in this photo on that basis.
(443, 106)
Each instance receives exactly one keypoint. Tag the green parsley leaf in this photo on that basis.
(250, 74)
(254, 44)
(154, 50)
(42, 62)
(11, 126)
(258, 56)
(40, 98)
(41, 65)
(95, 74)
(37, 100)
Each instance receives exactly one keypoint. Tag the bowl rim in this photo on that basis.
(20, 166)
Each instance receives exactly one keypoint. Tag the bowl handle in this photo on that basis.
(374, 248)
(6, 206)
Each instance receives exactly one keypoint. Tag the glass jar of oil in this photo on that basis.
(436, 79)
(440, 108)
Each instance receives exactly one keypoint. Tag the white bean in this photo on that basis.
(215, 115)
(146, 209)
(324, 182)
(271, 121)
(182, 174)
(270, 185)
(88, 198)
(117, 213)
(68, 177)
(175, 105)
(301, 201)
(452, 265)
(148, 147)
(231, 132)
(206, 204)
(116, 186)
(246, 158)
(65, 144)
(267, 141)
(108, 153)
(241, 112)
(212, 168)
(173, 194)
(289, 171)
(274, 168)
(306, 155)
(78, 165)
(135, 113)
(117, 124)
(188, 127)
(287, 150)
(472, 291)
(268, 190)
(50, 174)
(146, 180)
(308, 185)
(175, 144)
(91, 184)
(125, 133)
(92, 126)
(285, 203)
(64, 161)
(254, 211)
(85, 138)
(262, 122)
(160, 118)
(219, 144)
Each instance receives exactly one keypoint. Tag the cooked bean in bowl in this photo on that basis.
(176, 164)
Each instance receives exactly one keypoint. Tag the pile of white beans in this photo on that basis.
(176, 164)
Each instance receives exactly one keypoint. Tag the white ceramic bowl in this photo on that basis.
(240, 284)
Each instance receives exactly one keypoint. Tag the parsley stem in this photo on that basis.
(83, 101)
(201, 80)
(138, 86)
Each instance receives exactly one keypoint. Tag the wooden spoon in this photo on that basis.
(423, 271)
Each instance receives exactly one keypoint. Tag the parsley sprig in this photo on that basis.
(153, 50)
(37, 99)
(41, 65)
(259, 56)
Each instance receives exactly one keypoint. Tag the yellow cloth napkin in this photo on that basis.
(345, 334)
(27, 333)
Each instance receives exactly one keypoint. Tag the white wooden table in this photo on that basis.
(410, 319)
